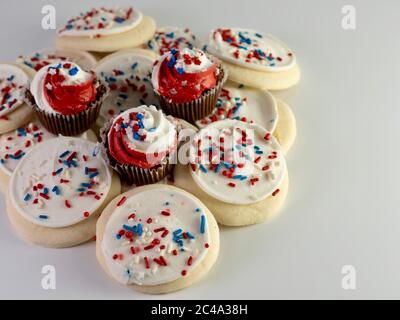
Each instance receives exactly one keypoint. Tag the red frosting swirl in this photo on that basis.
(118, 145)
(68, 99)
(183, 86)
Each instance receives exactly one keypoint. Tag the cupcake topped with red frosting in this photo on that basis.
(66, 98)
(142, 137)
(184, 75)
(63, 88)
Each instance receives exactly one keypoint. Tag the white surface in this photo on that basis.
(343, 202)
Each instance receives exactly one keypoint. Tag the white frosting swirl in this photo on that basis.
(128, 76)
(101, 22)
(251, 49)
(13, 84)
(157, 241)
(237, 162)
(155, 133)
(60, 182)
(77, 77)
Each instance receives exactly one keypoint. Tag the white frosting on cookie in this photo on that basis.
(38, 59)
(237, 162)
(129, 77)
(16, 144)
(74, 75)
(99, 22)
(60, 182)
(13, 84)
(149, 131)
(157, 241)
(251, 49)
(244, 104)
(167, 38)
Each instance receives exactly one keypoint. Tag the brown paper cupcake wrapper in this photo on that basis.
(199, 108)
(130, 174)
(70, 125)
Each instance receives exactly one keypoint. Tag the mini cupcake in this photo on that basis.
(14, 81)
(167, 38)
(65, 98)
(139, 144)
(41, 58)
(187, 83)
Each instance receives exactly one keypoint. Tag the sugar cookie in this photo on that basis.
(128, 74)
(14, 81)
(167, 38)
(157, 246)
(58, 190)
(255, 59)
(254, 105)
(106, 30)
(16, 144)
(40, 58)
(246, 181)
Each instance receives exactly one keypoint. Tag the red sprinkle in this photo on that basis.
(276, 192)
(147, 262)
(121, 202)
(67, 204)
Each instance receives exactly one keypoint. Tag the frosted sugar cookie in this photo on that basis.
(41, 58)
(14, 81)
(58, 191)
(157, 246)
(237, 169)
(238, 102)
(128, 74)
(16, 144)
(106, 30)
(167, 38)
(254, 58)
(66, 99)
(140, 143)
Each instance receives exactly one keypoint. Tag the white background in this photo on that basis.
(343, 205)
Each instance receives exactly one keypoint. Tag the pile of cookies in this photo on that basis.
(134, 136)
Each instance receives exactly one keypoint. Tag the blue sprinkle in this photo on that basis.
(180, 70)
(46, 190)
(136, 136)
(170, 35)
(198, 209)
(93, 175)
(203, 168)
(139, 116)
(27, 197)
(203, 224)
(56, 190)
(133, 67)
(190, 235)
(64, 154)
(73, 71)
(43, 217)
(119, 19)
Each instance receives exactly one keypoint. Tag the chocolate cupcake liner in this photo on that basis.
(131, 174)
(70, 125)
(202, 106)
